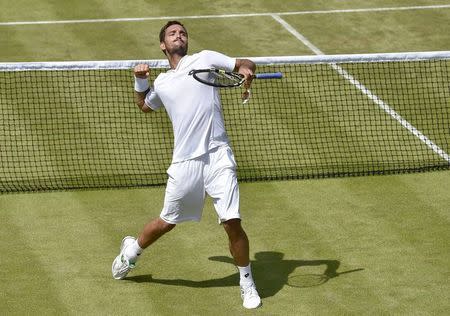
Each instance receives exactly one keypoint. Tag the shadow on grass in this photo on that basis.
(270, 271)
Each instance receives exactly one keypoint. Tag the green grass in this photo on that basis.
(391, 230)
(376, 32)
(370, 32)
(26, 10)
(389, 233)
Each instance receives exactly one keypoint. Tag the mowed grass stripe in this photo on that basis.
(23, 277)
(69, 253)
(127, 41)
(220, 16)
(376, 32)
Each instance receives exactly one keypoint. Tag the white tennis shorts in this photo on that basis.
(213, 173)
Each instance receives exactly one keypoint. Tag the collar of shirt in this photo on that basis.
(179, 64)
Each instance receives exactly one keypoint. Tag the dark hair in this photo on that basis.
(162, 33)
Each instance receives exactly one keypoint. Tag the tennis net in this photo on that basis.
(73, 125)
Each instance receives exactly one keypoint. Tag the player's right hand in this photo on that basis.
(142, 71)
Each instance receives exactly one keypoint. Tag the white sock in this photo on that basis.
(133, 251)
(246, 275)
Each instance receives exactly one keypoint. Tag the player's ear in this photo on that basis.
(162, 46)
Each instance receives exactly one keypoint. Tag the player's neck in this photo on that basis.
(174, 60)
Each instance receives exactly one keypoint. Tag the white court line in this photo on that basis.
(383, 105)
(237, 15)
(299, 36)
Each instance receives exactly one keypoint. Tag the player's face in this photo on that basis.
(175, 40)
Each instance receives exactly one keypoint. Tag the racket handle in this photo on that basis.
(270, 75)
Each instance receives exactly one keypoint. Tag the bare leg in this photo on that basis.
(238, 242)
(152, 231)
(239, 249)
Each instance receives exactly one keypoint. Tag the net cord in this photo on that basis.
(162, 63)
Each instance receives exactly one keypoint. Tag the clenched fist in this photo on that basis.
(141, 71)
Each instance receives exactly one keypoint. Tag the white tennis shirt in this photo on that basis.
(194, 108)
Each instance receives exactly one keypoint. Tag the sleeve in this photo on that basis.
(152, 100)
(219, 60)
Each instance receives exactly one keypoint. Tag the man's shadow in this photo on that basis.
(271, 273)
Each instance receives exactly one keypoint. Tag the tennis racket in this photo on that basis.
(227, 79)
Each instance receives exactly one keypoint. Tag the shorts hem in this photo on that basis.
(222, 220)
(179, 221)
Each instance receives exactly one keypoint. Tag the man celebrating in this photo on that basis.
(203, 162)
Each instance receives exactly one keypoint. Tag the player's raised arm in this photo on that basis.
(141, 86)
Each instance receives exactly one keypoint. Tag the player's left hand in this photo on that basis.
(248, 75)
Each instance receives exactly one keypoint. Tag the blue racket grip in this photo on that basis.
(271, 75)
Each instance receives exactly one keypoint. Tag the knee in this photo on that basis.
(233, 224)
(233, 227)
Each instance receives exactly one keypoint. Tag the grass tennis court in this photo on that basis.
(57, 250)
(345, 246)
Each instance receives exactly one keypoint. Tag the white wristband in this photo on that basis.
(141, 85)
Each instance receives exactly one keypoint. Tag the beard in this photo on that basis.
(177, 50)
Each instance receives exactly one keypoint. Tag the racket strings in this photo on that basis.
(226, 79)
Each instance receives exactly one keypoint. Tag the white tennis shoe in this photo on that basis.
(250, 296)
(121, 265)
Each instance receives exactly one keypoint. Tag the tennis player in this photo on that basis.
(203, 162)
